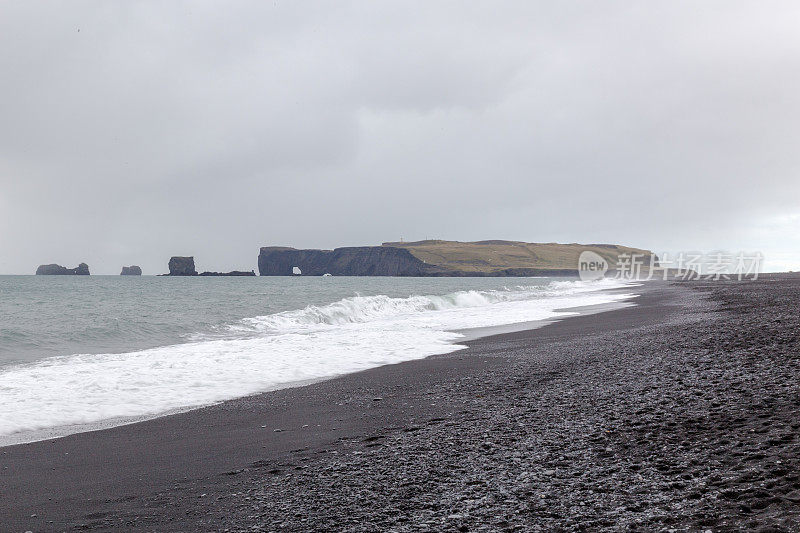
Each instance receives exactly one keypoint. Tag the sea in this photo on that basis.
(82, 352)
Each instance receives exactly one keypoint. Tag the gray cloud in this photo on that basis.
(135, 131)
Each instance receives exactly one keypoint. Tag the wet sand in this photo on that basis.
(680, 413)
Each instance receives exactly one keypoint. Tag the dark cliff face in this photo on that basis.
(58, 270)
(356, 261)
(132, 270)
(373, 261)
(182, 266)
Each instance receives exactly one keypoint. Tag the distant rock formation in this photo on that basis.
(181, 266)
(442, 258)
(232, 273)
(356, 261)
(132, 270)
(184, 266)
(58, 270)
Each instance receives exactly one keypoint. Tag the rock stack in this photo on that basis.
(181, 266)
(133, 270)
(58, 270)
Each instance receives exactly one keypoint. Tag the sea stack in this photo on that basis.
(182, 266)
(58, 270)
(133, 270)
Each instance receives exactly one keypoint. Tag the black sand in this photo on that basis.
(682, 413)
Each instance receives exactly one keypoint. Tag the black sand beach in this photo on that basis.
(681, 413)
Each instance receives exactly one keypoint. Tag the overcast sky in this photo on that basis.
(133, 131)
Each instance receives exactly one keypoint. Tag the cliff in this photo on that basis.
(58, 270)
(356, 261)
(438, 258)
(132, 270)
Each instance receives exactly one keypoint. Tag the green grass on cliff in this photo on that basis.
(489, 256)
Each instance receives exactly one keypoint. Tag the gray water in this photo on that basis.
(46, 316)
(78, 350)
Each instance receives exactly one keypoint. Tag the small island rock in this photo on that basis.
(231, 273)
(133, 270)
(182, 266)
(58, 270)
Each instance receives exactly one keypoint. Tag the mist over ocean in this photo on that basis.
(81, 350)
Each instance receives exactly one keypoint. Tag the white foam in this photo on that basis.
(261, 353)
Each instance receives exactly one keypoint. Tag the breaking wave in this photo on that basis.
(266, 352)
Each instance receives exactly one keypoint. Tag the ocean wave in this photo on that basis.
(270, 351)
(362, 309)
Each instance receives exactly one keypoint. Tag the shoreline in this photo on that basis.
(57, 432)
(647, 417)
(127, 462)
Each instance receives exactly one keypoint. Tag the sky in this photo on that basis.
(134, 131)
